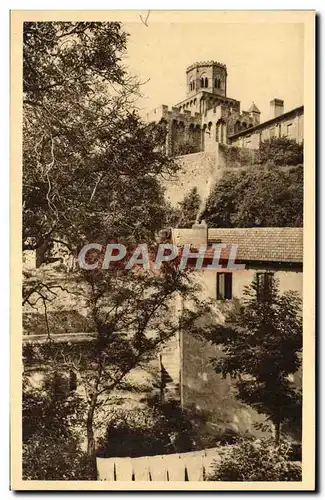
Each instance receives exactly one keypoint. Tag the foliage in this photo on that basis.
(158, 428)
(235, 156)
(281, 151)
(261, 345)
(92, 174)
(51, 440)
(186, 148)
(258, 197)
(90, 164)
(189, 208)
(34, 323)
(135, 315)
(259, 460)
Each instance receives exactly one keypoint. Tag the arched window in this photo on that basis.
(217, 83)
(206, 82)
(202, 82)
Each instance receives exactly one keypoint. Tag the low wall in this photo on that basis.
(193, 466)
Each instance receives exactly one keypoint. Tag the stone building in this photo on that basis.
(208, 117)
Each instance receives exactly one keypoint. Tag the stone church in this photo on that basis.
(208, 117)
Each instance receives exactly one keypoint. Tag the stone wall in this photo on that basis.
(200, 170)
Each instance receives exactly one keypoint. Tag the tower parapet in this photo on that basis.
(210, 76)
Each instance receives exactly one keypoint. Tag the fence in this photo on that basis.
(193, 466)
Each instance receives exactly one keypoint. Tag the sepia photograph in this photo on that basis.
(162, 182)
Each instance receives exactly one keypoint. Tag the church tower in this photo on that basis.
(208, 76)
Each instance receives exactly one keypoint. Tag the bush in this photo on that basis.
(281, 151)
(34, 323)
(156, 429)
(235, 156)
(52, 417)
(186, 148)
(259, 460)
(50, 458)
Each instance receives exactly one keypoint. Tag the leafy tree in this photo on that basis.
(133, 316)
(92, 174)
(261, 344)
(281, 151)
(189, 208)
(257, 197)
(88, 160)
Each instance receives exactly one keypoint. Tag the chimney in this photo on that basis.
(195, 236)
(276, 107)
(199, 234)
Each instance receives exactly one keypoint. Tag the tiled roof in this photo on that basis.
(262, 244)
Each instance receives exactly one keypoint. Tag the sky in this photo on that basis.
(264, 60)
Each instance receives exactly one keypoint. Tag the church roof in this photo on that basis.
(254, 108)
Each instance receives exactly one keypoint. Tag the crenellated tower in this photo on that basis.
(209, 76)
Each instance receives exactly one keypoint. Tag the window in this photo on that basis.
(289, 130)
(224, 286)
(264, 283)
(217, 83)
(202, 82)
(206, 82)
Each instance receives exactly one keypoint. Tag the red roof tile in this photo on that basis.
(268, 244)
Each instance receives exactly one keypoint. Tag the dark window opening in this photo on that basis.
(224, 286)
(264, 285)
(206, 82)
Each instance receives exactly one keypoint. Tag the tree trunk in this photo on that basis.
(91, 444)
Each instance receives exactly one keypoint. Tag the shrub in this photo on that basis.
(236, 156)
(186, 148)
(55, 459)
(153, 430)
(281, 151)
(259, 460)
(34, 323)
(51, 418)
